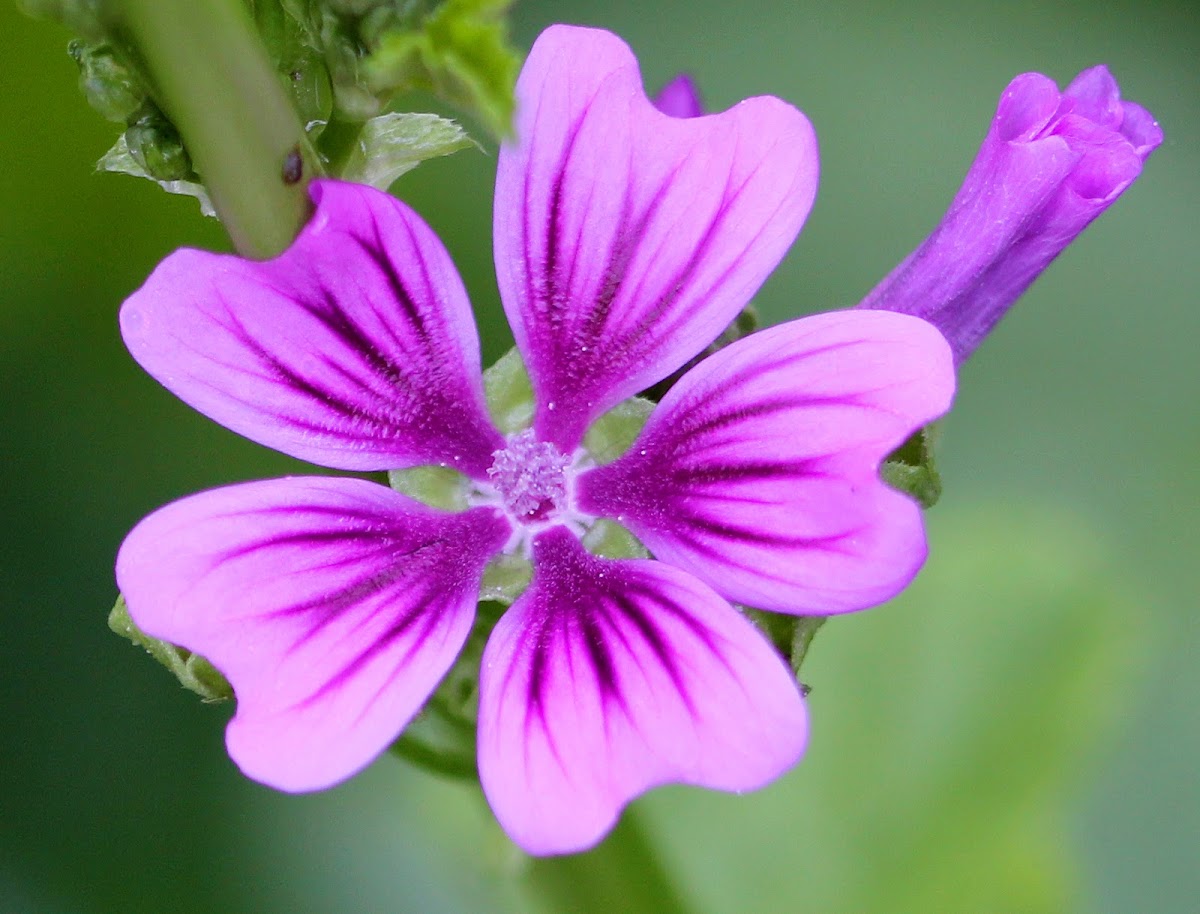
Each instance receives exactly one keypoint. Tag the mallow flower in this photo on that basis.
(625, 241)
(1051, 163)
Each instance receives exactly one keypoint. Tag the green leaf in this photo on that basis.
(951, 732)
(121, 161)
(460, 52)
(392, 144)
(192, 670)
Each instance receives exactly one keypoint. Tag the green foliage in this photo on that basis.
(192, 670)
(340, 63)
(392, 144)
(460, 53)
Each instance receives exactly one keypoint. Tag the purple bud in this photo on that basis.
(680, 98)
(1051, 163)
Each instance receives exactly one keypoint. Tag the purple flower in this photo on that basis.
(625, 241)
(1051, 163)
(680, 98)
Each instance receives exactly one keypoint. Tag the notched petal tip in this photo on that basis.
(626, 241)
(680, 98)
(610, 677)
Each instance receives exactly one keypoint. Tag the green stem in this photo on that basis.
(624, 874)
(213, 79)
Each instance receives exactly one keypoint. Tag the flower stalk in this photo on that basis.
(212, 77)
(624, 873)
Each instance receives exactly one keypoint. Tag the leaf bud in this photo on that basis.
(155, 145)
(105, 82)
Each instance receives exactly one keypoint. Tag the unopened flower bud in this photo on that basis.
(155, 144)
(1051, 163)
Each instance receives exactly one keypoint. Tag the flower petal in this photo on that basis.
(759, 471)
(627, 240)
(354, 349)
(609, 677)
(333, 606)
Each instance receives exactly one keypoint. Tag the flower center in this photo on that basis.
(530, 477)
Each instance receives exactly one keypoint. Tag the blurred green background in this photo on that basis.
(1019, 732)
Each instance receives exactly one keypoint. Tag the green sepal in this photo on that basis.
(791, 635)
(611, 435)
(609, 539)
(505, 578)
(509, 393)
(438, 487)
(442, 736)
(911, 469)
(460, 52)
(192, 670)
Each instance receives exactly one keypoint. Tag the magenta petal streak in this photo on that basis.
(759, 471)
(609, 677)
(1050, 164)
(627, 240)
(333, 606)
(354, 349)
